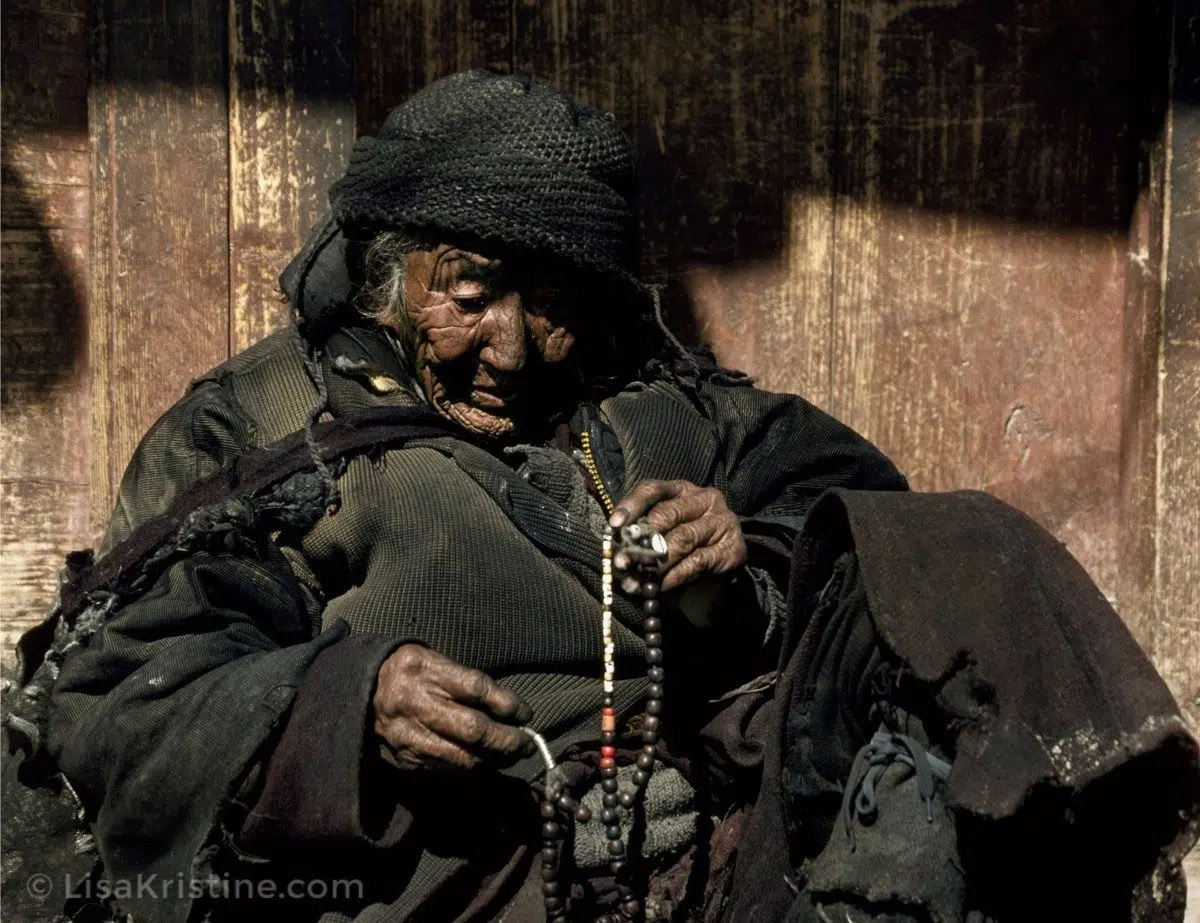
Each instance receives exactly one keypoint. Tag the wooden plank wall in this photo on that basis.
(1160, 461)
(1176, 621)
(44, 250)
(943, 220)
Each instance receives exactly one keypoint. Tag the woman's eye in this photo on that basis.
(473, 304)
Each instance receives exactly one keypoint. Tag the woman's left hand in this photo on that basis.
(703, 535)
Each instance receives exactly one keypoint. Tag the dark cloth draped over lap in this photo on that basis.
(1044, 687)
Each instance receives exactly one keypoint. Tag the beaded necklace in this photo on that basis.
(645, 550)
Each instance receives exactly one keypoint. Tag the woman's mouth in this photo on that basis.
(493, 397)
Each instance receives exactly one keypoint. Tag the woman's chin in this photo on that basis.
(482, 421)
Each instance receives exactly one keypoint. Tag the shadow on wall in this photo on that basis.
(1040, 115)
(43, 315)
(1034, 113)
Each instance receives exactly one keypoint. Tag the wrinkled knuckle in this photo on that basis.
(475, 728)
(409, 660)
(479, 685)
(689, 534)
(395, 734)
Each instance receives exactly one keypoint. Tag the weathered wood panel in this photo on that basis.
(44, 240)
(160, 266)
(1142, 337)
(401, 45)
(732, 108)
(291, 124)
(982, 193)
(1177, 573)
(44, 187)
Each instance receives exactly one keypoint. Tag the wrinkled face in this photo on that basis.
(490, 337)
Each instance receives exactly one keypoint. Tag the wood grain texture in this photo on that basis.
(401, 45)
(291, 124)
(731, 108)
(44, 219)
(41, 521)
(160, 266)
(979, 252)
(1142, 342)
(43, 47)
(1177, 574)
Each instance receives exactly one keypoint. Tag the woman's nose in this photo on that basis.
(504, 334)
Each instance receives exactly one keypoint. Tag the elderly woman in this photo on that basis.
(370, 632)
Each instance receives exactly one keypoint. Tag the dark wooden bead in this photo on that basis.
(654, 690)
(550, 888)
(566, 803)
(553, 904)
(608, 700)
(609, 816)
(627, 799)
(608, 772)
(650, 589)
(645, 761)
(655, 674)
(653, 639)
(549, 873)
(616, 848)
(650, 723)
(551, 831)
(607, 738)
(550, 854)
(654, 655)
(613, 832)
(650, 607)
(548, 811)
(617, 867)
(610, 799)
(583, 814)
(654, 707)
(652, 624)
(609, 785)
(631, 908)
(649, 749)
(639, 777)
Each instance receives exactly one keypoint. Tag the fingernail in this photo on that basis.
(618, 518)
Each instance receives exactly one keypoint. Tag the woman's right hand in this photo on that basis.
(432, 713)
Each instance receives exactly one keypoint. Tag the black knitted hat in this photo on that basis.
(499, 158)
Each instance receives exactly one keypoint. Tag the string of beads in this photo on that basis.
(645, 551)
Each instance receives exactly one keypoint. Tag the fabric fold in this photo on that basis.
(323, 782)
